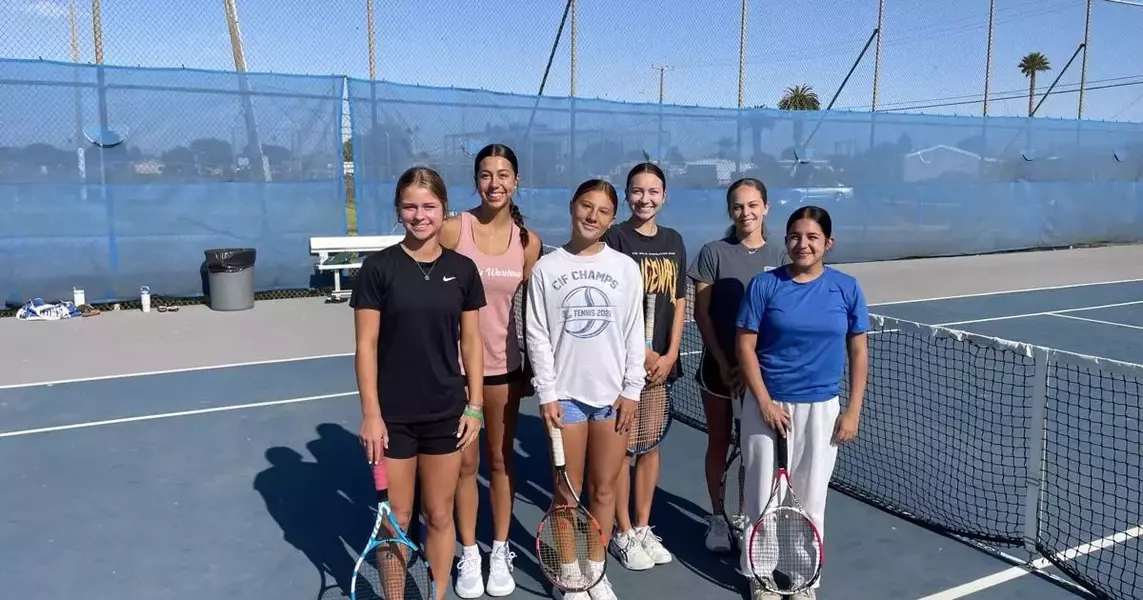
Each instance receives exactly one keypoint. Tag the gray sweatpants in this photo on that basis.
(811, 459)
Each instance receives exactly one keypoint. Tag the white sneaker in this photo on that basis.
(630, 552)
(757, 592)
(469, 583)
(500, 581)
(718, 537)
(652, 545)
(571, 595)
(602, 590)
(806, 595)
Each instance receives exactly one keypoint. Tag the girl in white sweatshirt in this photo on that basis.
(586, 347)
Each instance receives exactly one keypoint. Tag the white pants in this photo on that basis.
(811, 456)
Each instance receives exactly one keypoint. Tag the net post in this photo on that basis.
(1036, 447)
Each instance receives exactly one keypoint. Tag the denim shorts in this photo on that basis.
(578, 412)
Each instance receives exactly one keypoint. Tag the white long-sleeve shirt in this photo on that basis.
(585, 327)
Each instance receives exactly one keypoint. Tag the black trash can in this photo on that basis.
(230, 273)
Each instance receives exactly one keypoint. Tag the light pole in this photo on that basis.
(1086, 45)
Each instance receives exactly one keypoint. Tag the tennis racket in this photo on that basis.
(569, 541)
(736, 514)
(653, 416)
(391, 567)
(520, 315)
(786, 552)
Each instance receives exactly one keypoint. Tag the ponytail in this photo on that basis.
(518, 219)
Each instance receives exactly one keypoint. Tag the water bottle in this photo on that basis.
(145, 298)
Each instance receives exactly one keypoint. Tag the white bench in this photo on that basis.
(341, 253)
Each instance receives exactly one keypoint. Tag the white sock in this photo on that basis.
(472, 550)
(570, 571)
(496, 545)
(596, 568)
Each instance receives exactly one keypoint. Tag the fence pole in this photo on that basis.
(257, 159)
(574, 49)
(742, 55)
(372, 42)
(988, 59)
(1083, 62)
(877, 55)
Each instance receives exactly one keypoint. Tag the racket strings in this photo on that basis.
(393, 571)
(570, 549)
(785, 552)
(651, 419)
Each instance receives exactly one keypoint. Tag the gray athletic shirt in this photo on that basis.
(727, 266)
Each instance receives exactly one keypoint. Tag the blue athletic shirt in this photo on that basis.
(802, 330)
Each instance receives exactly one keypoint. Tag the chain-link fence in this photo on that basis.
(897, 56)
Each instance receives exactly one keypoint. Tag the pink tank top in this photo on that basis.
(501, 275)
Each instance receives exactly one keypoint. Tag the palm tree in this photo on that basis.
(1033, 63)
(800, 97)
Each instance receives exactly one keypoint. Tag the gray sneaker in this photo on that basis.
(757, 592)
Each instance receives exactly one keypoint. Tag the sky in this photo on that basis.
(933, 51)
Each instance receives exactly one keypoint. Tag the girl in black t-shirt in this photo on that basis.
(415, 303)
(662, 260)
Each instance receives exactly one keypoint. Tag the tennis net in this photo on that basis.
(1000, 443)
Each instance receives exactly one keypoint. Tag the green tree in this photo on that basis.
(1033, 63)
(800, 97)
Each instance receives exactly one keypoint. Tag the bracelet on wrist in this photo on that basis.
(474, 414)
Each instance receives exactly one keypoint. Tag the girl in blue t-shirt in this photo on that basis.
(797, 325)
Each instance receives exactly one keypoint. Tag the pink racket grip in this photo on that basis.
(380, 476)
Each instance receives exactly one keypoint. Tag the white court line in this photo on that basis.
(182, 413)
(1101, 322)
(1038, 564)
(1003, 292)
(344, 354)
(1046, 313)
(253, 363)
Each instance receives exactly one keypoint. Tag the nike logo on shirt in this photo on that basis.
(447, 278)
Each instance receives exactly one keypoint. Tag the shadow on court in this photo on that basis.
(677, 520)
(321, 505)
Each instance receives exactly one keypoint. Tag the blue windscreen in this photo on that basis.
(115, 178)
(897, 185)
(177, 177)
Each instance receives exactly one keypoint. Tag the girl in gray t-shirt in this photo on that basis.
(721, 273)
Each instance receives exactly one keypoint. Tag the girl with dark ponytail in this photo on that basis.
(662, 258)
(494, 237)
(720, 274)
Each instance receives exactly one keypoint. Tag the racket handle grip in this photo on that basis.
(649, 318)
(557, 447)
(380, 476)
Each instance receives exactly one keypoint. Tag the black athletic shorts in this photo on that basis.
(407, 440)
(505, 379)
(709, 378)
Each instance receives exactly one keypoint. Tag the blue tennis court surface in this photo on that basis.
(231, 482)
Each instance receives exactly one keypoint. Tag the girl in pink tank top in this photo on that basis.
(494, 237)
(502, 275)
